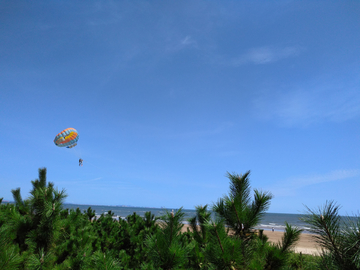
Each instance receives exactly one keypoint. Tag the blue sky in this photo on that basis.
(168, 96)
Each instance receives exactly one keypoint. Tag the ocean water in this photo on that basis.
(270, 220)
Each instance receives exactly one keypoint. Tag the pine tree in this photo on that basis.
(9, 252)
(278, 254)
(90, 214)
(339, 240)
(199, 232)
(74, 246)
(223, 251)
(168, 248)
(135, 230)
(239, 213)
(104, 261)
(33, 224)
(45, 206)
(198, 224)
(40, 260)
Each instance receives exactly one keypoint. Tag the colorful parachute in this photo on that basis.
(67, 138)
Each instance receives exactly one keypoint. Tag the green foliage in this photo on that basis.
(75, 242)
(277, 255)
(262, 236)
(168, 248)
(291, 236)
(222, 251)
(302, 262)
(37, 233)
(40, 260)
(239, 212)
(43, 209)
(198, 224)
(104, 261)
(90, 214)
(15, 225)
(340, 240)
(351, 240)
(135, 231)
(199, 233)
(32, 224)
(9, 252)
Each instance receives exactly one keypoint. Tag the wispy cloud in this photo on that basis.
(188, 40)
(264, 55)
(289, 186)
(183, 43)
(307, 105)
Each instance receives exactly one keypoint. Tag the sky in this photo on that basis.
(169, 96)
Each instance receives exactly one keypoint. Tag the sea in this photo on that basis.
(270, 221)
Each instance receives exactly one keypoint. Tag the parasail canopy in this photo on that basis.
(67, 138)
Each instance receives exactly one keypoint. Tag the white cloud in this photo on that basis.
(186, 42)
(265, 55)
(289, 186)
(307, 105)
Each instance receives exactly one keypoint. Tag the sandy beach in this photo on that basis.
(306, 244)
